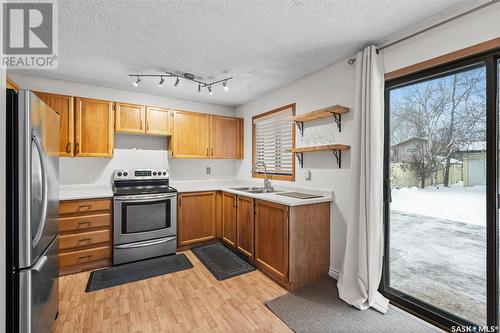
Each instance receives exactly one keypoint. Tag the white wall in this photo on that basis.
(139, 151)
(332, 85)
(335, 85)
(469, 30)
(131, 151)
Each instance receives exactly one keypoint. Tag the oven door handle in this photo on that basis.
(137, 198)
(145, 243)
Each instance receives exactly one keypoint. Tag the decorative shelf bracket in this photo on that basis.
(335, 148)
(300, 126)
(338, 157)
(300, 157)
(337, 117)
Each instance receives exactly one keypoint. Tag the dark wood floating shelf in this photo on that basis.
(335, 149)
(334, 111)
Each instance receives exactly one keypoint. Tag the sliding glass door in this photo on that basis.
(441, 193)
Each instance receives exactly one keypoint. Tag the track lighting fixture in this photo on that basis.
(161, 81)
(185, 76)
(136, 83)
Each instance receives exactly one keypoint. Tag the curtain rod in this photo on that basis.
(453, 18)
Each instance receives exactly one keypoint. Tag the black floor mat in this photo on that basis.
(145, 269)
(221, 261)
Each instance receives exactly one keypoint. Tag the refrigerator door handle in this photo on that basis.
(43, 162)
(40, 263)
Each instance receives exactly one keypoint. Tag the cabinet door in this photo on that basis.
(94, 128)
(196, 217)
(130, 118)
(158, 121)
(64, 106)
(229, 218)
(245, 226)
(190, 137)
(225, 137)
(271, 238)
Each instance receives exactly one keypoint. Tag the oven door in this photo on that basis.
(144, 217)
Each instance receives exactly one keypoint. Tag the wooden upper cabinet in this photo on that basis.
(245, 226)
(130, 118)
(190, 138)
(229, 218)
(196, 217)
(12, 85)
(64, 105)
(94, 134)
(158, 121)
(271, 238)
(226, 137)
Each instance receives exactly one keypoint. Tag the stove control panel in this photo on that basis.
(140, 174)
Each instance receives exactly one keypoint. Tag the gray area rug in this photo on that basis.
(221, 261)
(135, 271)
(318, 308)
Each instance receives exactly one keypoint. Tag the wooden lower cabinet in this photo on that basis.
(229, 219)
(271, 238)
(196, 217)
(291, 245)
(85, 235)
(245, 226)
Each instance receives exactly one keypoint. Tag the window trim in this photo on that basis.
(272, 176)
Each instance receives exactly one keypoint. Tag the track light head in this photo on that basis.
(161, 81)
(136, 83)
(185, 76)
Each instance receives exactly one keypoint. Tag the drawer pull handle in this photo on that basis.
(84, 240)
(81, 224)
(84, 257)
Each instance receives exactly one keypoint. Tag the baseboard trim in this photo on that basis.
(334, 273)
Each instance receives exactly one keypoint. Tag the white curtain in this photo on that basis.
(360, 278)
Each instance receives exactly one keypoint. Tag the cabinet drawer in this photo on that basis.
(84, 256)
(84, 223)
(84, 239)
(84, 206)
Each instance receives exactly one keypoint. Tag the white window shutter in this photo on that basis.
(274, 141)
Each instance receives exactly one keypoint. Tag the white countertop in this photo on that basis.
(88, 191)
(227, 185)
(85, 191)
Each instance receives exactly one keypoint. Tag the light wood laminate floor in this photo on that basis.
(190, 300)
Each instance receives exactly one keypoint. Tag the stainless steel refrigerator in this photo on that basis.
(32, 213)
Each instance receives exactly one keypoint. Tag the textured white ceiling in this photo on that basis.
(263, 44)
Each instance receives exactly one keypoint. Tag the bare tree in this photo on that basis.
(444, 113)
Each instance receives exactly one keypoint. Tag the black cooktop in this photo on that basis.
(135, 187)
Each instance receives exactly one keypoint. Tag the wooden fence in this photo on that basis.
(402, 175)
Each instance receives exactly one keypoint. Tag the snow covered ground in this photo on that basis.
(456, 203)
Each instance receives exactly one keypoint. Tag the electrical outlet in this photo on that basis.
(208, 170)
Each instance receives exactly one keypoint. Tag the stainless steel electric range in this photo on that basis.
(144, 215)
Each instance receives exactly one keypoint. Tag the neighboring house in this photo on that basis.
(404, 151)
(474, 163)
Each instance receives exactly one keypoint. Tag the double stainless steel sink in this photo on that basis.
(256, 189)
